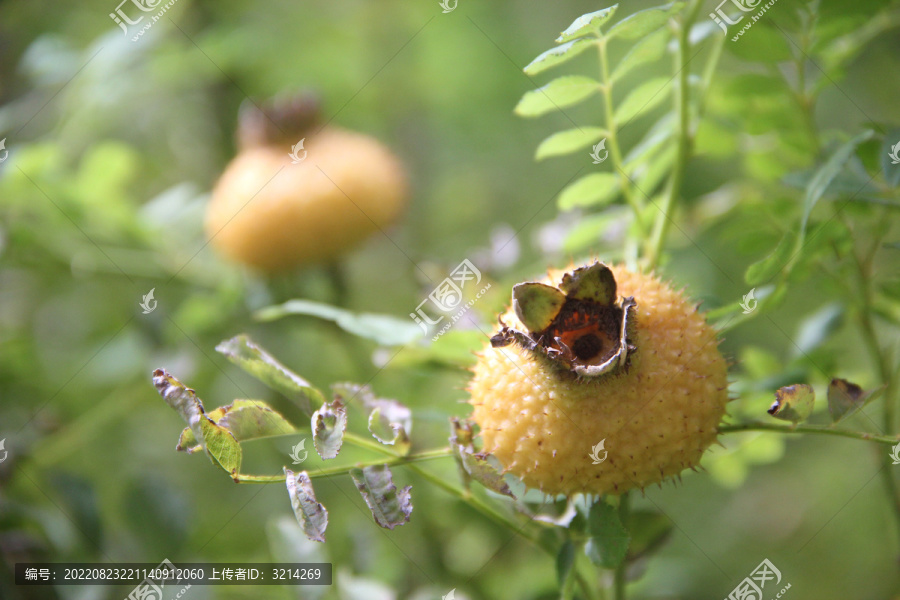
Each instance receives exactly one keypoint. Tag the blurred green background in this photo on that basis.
(113, 148)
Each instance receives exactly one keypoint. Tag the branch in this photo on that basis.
(760, 426)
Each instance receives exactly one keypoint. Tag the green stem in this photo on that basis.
(377, 447)
(615, 151)
(685, 141)
(815, 429)
(342, 470)
(621, 570)
(870, 338)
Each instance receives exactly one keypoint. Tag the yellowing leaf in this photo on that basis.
(793, 403)
(846, 398)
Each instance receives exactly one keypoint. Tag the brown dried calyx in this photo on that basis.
(281, 120)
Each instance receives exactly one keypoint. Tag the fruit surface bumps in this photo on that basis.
(271, 214)
(656, 417)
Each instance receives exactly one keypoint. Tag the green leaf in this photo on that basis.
(643, 22)
(455, 348)
(537, 304)
(390, 507)
(311, 515)
(793, 403)
(565, 560)
(761, 44)
(558, 55)
(641, 99)
(846, 399)
(765, 269)
(383, 329)
(648, 50)
(245, 419)
(253, 359)
(608, 541)
(825, 174)
(816, 328)
(558, 94)
(595, 189)
(569, 141)
(889, 150)
(648, 531)
(328, 425)
(479, 468)
(593, 231)
(587, 23)
(219, 444)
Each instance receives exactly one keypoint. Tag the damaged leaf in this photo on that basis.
(328, 425)
(219, 444)
(245, 419)
(793, 403)
(388, 433)
(311, 515)
(478, 467)
(846, 398)
(390, 422)
(243, 352)
(390, 507)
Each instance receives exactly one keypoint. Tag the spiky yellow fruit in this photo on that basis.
(655, 415)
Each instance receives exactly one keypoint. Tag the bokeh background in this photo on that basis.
(114, 146)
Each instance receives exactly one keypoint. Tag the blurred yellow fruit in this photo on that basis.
(274, 213)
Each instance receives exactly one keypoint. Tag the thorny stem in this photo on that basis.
(685, 140)
(816, 429)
